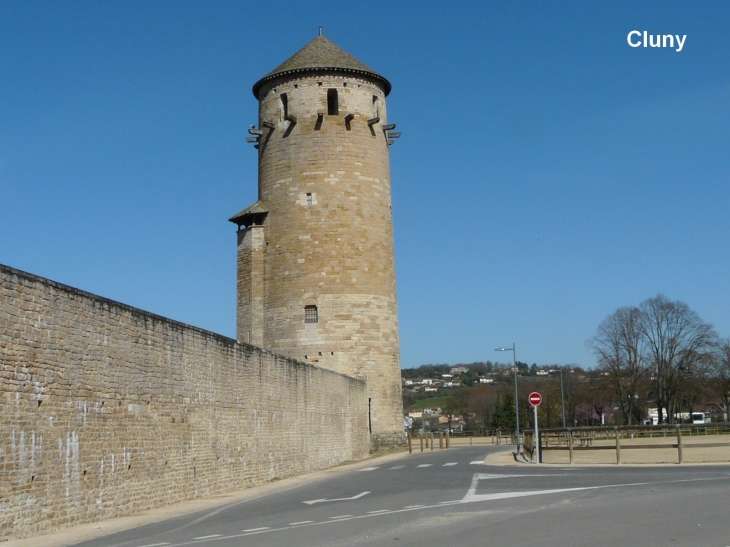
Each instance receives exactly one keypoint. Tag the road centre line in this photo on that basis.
(260, 529)
(369, 469)
(379, 511)
(154, 545)
(300, 523)
(400, 466)
(342, 516)
(425, 465)
(475, 498)
(210, 536)
(454, 463)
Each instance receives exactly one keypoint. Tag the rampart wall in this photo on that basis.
(107, 410)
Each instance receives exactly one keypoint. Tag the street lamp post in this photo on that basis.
(562, 396)
(517, 406)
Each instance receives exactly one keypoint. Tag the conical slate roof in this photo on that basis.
(319, 55)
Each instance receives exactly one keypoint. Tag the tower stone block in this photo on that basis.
(316, 271)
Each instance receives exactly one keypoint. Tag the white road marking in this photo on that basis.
(361, 494)
(448, 464)
(409, 508)
(471, 495)
(257, 529)
(425, 465)
(369, 468)
(300, 523)
(476, 462)
(397, 467)
(378, 511)
(209, 537)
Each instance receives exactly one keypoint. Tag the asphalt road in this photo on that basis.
(450, 498)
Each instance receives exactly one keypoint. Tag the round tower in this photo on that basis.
(316, 271)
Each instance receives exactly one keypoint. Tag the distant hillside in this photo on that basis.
(433, 402)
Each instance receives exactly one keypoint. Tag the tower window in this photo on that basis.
(284, 104)
(375, 106)
(309, 199)
(310, 314)
(333, 106)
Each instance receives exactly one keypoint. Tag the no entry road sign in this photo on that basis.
(535, 398)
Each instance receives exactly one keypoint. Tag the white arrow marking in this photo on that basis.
(361, 494)
(471, 495)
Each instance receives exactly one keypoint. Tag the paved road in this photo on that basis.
(450, 498)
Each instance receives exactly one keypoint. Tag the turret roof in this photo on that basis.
(250, 214)
(321, 54)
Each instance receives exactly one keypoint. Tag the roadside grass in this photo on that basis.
(430, 403)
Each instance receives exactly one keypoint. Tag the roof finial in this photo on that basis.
(320, 31)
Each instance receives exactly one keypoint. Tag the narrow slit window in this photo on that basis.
(284, 104)
(310, 314)
(309, 199)
(375, 106)
(333, 106)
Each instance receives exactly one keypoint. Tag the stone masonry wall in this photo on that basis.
(325, 181)
(107, 410)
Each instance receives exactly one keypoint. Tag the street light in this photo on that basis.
(517, 407)
(562, 396)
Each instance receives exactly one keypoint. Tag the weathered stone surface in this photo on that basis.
(106, 410)
(327, 237)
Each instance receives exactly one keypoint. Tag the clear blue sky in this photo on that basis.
(548, 173)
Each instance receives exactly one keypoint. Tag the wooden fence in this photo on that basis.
(609, 438)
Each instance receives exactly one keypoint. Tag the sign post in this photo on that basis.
(535, 400)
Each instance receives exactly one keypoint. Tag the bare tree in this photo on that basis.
(677, 343)
(598, 395)
(482, 405)
(719, 376)
(619, 346)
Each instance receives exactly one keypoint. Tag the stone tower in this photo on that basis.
(316, 272)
